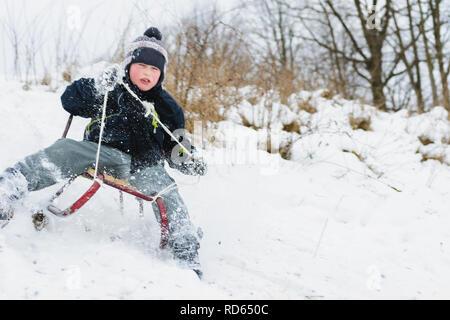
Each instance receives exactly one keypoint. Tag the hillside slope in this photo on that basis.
(320, 226)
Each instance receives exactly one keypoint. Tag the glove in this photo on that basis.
(108, 79)
(194, 167)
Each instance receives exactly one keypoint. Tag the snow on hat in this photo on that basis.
(147, 49)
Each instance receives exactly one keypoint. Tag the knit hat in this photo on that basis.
(147, 49)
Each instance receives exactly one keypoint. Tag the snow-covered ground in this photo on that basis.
(328, 224)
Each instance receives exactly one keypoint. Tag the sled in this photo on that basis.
(119, 184)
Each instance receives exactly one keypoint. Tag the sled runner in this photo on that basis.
(99, 179)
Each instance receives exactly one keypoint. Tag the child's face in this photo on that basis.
(144, 76)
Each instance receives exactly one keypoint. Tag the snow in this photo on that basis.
(327, 224)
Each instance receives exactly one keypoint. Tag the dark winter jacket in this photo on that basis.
(126, 128)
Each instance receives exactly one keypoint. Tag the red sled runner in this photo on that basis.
(121, 185)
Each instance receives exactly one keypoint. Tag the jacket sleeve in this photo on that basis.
(188, 167)
(81, 98)
(176, 116)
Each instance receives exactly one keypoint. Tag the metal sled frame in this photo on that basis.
(121, 185)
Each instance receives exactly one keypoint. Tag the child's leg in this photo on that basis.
(182, 233)
(64, 159)
(67, 158)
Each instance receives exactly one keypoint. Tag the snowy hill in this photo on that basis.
(328, 224)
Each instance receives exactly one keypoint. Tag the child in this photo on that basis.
(133, 147)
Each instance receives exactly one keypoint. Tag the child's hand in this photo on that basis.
(108, 79)
(194, 167)
(200, 167)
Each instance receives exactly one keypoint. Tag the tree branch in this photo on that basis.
(347, 30)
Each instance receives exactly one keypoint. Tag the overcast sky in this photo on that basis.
(93, 25)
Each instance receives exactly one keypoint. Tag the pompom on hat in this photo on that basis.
(147, 49)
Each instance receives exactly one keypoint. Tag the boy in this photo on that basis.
(133, 148)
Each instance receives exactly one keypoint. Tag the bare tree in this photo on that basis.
(367, 36)
(412, 67)
(277, 45)
(442, 59)
(119, 53)
(12, 27)
(336, 61)
(429, 57)
(209, 62)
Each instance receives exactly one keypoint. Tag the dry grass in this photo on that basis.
(360, 123)
(26, 86)
(294, 126)
(307, 106)
(426, 157)
(46, 80)
(69, 72)
(247, 124)
(288, 84)
(254, 100)
(286, 150)
(363, 160)
(327, 94)
(425, 140)
(208, 66)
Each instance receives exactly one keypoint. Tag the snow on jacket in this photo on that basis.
(126, 127)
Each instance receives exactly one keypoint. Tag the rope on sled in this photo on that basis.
(150, 108)
(102, 125)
